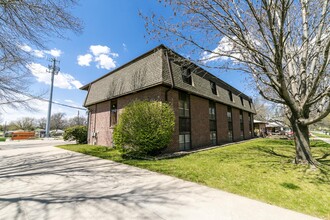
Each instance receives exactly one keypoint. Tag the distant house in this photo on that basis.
(259, 127)
(207, 110)
(269, 128)
(276, 128)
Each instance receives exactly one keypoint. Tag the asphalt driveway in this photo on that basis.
(51, 183)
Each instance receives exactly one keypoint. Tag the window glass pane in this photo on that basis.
(230, 135)
(186, 113)
(213, 125)
(187, 138)
(181, 138)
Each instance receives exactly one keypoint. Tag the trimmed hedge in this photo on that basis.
(77, 133)
(144, 128)
(2, 139)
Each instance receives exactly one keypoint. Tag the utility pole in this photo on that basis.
(78, 118)
(53, 69)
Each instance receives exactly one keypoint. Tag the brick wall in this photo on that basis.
(200, 128)
(222, 123)
(236, 125)
(102, 125)
(246, 125)
(173, 99)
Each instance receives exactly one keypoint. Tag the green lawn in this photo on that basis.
(261, 169)
(321, 135)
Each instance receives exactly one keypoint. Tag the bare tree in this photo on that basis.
(283, 44)
(30, 23)
(41, 123)
(25, 123)
(57, 121)
(77, 120)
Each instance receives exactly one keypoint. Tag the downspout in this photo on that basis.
(88, 126)
(95, 133)
(171, 75)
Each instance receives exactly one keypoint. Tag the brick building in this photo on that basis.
(208, 111)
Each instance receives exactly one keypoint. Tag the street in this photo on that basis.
(10, 145)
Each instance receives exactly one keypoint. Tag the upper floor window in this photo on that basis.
(184, 105)
(186, 76)
(250, 104)
(230, 95)
(213, 87)
(212, 110)
(113, 112)
(242, 101)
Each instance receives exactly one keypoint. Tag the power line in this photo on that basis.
(32, 97)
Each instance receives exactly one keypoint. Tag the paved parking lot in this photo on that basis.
(51, 183)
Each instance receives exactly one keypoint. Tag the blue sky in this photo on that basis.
(114, 34)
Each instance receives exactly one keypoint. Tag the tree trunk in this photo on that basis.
(302, 144)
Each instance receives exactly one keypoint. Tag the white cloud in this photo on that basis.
(62, 80)
(105, 62)
(69, 101)
(26, 48)
(84, 60)
(99, 49)
(101, 55)
(41, 53)
(54, 52)
(38, 53)
(224, 47)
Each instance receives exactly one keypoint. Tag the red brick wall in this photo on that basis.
(246, 125)
(236, 124)
(200, 128)
(102, 125)
(100, 114)
(222, 123)
(200, 131)
(173, 99)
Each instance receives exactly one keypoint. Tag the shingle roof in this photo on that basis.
(151, 69)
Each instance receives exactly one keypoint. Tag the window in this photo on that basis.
(213, 123)
(230, 124)
(184, 105)
(213, 137)
(212, 110)
(213, 88)
(184, 121)
(230, 95)
(186, 76)
(242, 101)
(184, 141)
(241, 122)
(113, 112)
(250, 103)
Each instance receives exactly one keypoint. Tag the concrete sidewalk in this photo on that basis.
(51, 183)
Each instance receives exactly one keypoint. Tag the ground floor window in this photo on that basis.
(230, 135)
(184, 141)
(213, 137)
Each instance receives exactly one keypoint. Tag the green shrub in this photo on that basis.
(77, 133)
(144, 128)
(2, 139)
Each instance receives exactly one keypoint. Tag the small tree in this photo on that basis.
(76, 133)
(144, 128)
